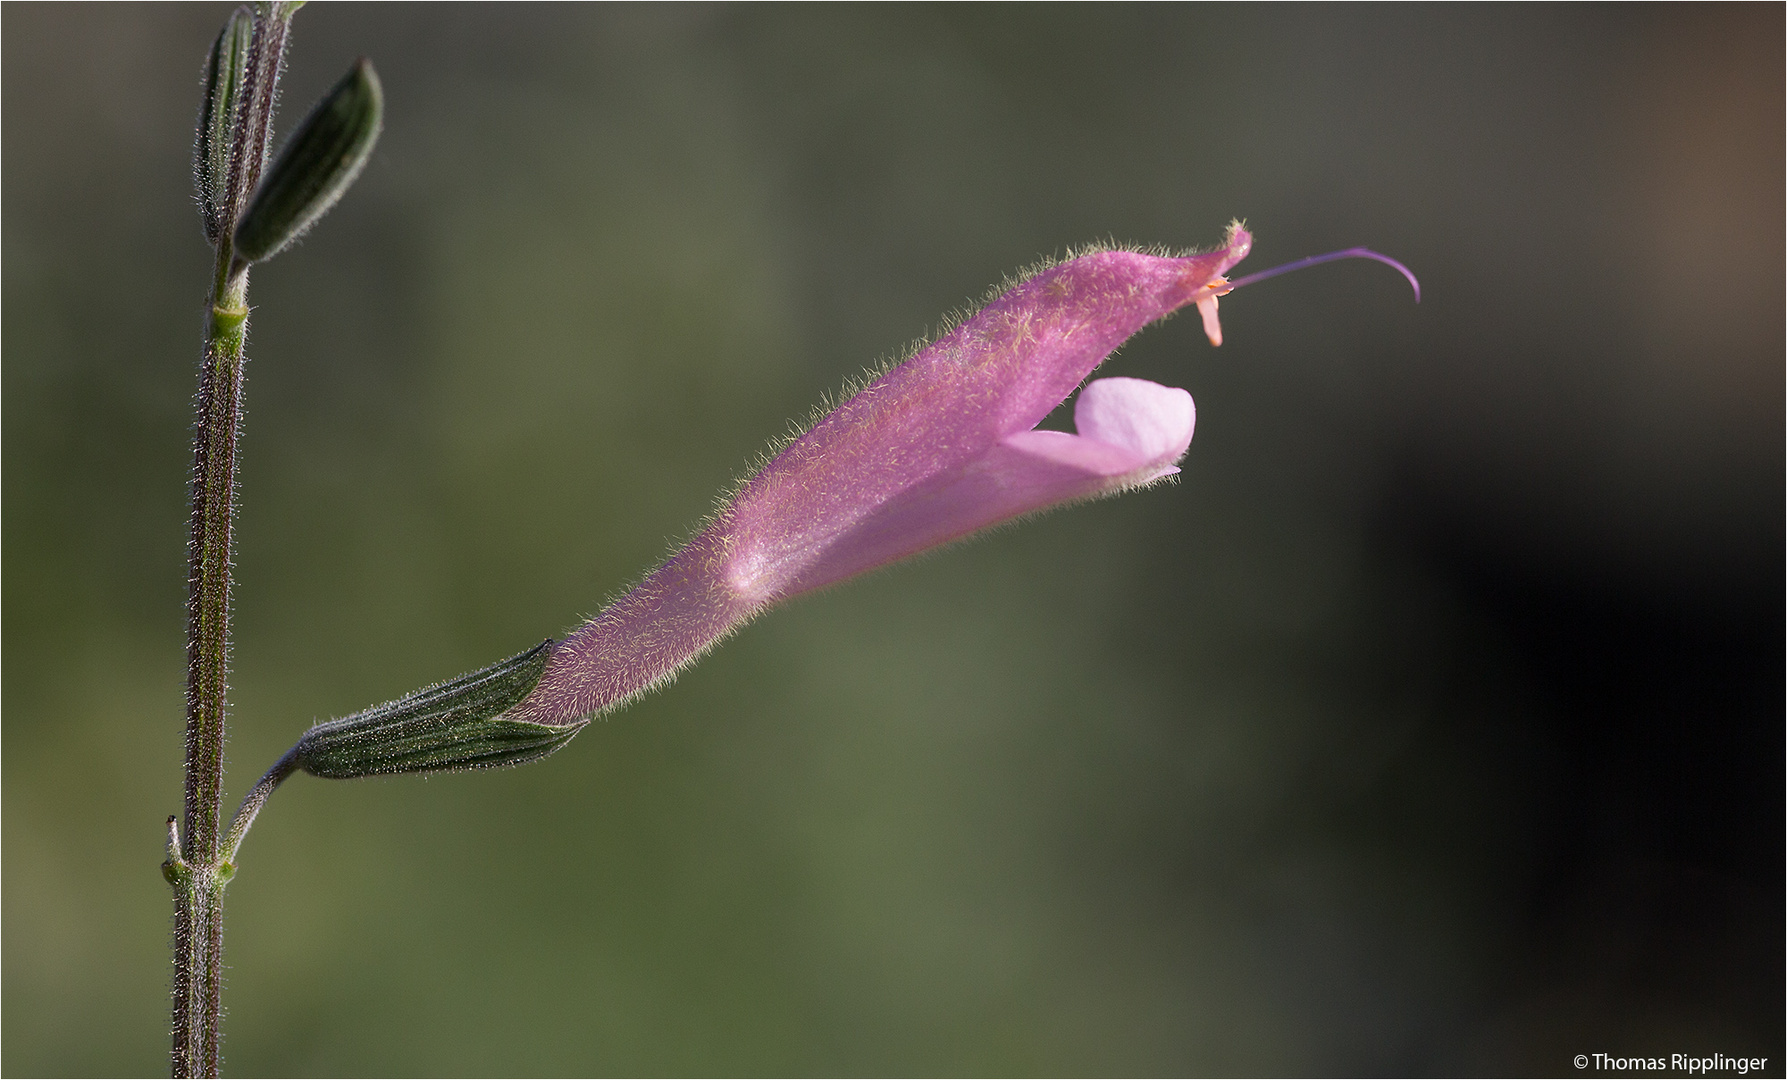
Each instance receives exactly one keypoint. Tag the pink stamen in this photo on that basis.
(1349, 253)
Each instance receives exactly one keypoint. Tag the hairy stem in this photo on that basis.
(254, 800)
(198, 914)
(198, 864)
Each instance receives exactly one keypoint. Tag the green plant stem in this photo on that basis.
(254, 800)
(198, 868)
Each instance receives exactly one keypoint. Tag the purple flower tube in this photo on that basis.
(939, 447)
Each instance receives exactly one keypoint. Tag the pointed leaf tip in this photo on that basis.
(316, 167)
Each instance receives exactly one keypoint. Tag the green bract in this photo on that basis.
(455, 725)
(316, 167)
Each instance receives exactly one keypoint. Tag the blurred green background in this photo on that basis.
(1432, 724)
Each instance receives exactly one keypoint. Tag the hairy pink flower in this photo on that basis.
(941, 446)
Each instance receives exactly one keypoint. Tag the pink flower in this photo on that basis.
(941, 446)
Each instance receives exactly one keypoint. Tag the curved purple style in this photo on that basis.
(939, 447)
(1317, 260)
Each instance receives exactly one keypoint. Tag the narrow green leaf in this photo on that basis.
(455, 725)
(317, 165)
(223, 89)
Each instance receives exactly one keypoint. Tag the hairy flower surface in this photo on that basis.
(939, 447)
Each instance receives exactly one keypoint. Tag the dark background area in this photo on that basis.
(1432, 724)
